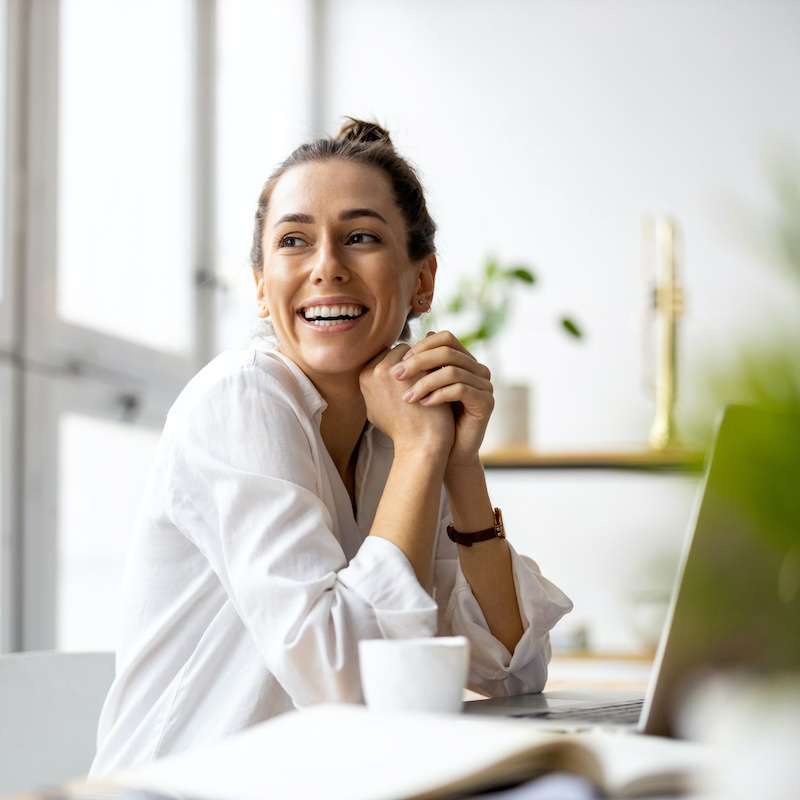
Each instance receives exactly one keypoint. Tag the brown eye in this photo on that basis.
(371, 236)
(282, 242)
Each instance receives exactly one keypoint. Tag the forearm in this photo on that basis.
(407, 513)
(486, 565)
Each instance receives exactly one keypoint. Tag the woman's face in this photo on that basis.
(335, 244)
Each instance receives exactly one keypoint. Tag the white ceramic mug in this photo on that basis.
(427, 674)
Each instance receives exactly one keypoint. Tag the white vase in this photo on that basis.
(509, 425)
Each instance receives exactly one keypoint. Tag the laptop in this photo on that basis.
(736, 597)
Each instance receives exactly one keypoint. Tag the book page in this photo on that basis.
(635, 764)
(346, 752)
(342, 752)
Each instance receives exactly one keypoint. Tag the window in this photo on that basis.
(124, 210)
(97, 507)
(111, 333)
(125, 240)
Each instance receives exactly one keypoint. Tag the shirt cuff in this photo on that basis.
(541, 605)
(381, 574)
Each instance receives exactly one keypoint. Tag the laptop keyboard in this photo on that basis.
(620, 713)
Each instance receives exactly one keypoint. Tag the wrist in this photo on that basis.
(463, 469)
(470, 505)
(426, 451)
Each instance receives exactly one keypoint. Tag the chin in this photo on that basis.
(334, 360)
(339, 356)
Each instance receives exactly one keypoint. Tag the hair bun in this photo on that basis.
(360, 131)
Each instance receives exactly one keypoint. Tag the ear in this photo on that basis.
(426, 281)
(261, 293)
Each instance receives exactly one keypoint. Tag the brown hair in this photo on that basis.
(365, 143)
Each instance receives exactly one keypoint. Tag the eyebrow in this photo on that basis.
(352, 213)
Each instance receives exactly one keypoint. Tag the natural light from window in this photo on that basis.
(125, 193)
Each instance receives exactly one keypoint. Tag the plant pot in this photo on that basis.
(509, 425)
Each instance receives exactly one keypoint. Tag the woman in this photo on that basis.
(303, 488)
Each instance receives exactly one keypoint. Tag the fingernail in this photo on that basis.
(408, 353)
(398, 371)
(408, 395)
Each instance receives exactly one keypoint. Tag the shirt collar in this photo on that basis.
(315, 402)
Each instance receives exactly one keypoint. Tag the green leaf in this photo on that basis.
(480, 334)
(571, 327)
(521, 274)
(494, 319)
(456, 304)
(491, 269)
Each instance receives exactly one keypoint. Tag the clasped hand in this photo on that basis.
(441, 375)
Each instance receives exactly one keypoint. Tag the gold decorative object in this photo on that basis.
(661, 246)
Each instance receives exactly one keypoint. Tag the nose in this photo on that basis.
(329, 266)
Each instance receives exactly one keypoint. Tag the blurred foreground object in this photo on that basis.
(753, 729)
(763, 370)
(738, 600)
(660, 255)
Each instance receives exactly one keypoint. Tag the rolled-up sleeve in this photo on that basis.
(493, 670)
(243, 488)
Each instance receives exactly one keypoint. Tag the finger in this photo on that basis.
(476, 402)
(437, 339)
(392, 356)
(444, 377)
(442, 356)
(395, 355)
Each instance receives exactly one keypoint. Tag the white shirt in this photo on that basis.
(249, 583)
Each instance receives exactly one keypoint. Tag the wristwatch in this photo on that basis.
(468, 539)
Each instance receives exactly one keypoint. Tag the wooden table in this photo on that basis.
(588, 670)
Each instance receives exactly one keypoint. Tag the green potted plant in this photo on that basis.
(477, 312)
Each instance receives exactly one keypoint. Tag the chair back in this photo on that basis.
(50, 705)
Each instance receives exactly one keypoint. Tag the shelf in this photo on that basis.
(637, 460)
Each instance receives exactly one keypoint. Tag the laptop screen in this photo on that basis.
(736, 601)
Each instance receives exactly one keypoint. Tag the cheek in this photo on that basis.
(394, 285)
(394, 299)
(280, 288)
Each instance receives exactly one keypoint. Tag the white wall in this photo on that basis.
(543, 131)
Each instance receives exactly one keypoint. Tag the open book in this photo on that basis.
(347, 752)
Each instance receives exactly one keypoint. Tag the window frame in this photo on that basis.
(7, 317)
(48, 338)
(49, 399)
(8, 513)
(70, 369)
(15, 56)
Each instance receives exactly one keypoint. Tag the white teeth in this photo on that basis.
(332, 311)
(326, 323)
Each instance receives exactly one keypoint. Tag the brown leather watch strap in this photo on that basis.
(468, 539)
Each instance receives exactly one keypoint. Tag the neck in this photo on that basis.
(345, 416)
(342, 422)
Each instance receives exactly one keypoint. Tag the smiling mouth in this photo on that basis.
(330, 321)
